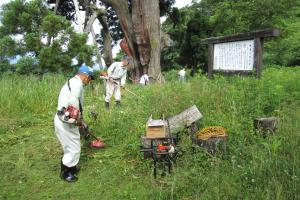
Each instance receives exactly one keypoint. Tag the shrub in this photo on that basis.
(27, 65)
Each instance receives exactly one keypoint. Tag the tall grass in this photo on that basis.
(252, 168)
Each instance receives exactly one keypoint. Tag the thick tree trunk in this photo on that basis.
(79, 19)
(107, 40)
(121, 7)
(142, 33)
(145, 17)
(49, 38)
(56, 6)
(89, 21)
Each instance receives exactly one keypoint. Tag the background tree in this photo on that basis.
(34, 23)
(140, 24)
(211, 18)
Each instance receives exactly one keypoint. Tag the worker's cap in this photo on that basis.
(86, 70)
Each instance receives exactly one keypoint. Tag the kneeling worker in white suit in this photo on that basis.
(68, 119)
(116, 78)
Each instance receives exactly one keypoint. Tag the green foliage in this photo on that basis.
(36, 23)
(285, 51)
(119, 56)
(54, 24)
(27, 65)
(7, 46)
(252, 168)
(4, 66)
(33, 42)
(51, 60)
(80, 50)
(219, 18)
(192, 26)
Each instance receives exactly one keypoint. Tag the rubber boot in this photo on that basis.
(74, 170)
(67, 175)
(118, 103)
(106, 105)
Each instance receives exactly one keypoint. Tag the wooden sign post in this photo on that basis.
(237, 54)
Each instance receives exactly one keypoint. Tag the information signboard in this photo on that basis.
(237, 54)
(234, 56)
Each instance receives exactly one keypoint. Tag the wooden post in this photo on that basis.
(210, 60)
(258, 56)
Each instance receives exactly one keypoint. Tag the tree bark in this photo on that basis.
(79, 20)
(49, 38)
(184, 119)
(107, 40)
(56, 6)
(142, 33)
(93, 13)
(145, 16)
(121, 8)
(89, 21)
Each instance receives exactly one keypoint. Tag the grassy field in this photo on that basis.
(253, 167)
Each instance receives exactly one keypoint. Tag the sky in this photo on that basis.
(4, 1)
(182, 3)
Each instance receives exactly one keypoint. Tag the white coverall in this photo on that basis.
(181, 74)
(68, 134)
(144, 80)
(118, 73)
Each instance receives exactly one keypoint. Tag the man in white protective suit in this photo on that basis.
(144, 80)
(181, 75)
(68, 119)
(117, 73)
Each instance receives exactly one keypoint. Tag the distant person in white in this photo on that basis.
(116, 78)
(144, 79)
(181, 75)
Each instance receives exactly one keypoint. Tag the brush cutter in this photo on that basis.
(96, 143)
(134, 94)
(115, 82)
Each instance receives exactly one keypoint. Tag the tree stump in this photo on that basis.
(266, 125)
(193, 128)
(213, 145)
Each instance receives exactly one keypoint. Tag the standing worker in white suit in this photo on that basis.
(181, 75)
(117, 73)
(144, 79)
(68, 119)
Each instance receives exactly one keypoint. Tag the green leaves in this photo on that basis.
(53, 59)
(7, 47)
(54, 24)
(48, 36)
(211, 18)
(26, 65)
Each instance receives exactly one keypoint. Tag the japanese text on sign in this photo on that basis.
(234, 56)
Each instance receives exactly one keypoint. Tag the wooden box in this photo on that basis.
(155, 128)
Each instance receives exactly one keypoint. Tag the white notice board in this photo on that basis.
(234, 56)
